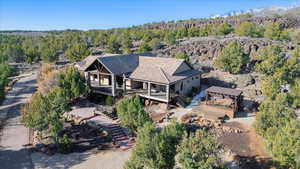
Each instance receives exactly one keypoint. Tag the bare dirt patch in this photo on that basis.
(247, 146)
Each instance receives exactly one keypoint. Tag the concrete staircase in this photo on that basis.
(119, 136)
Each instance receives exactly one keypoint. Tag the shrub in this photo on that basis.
(181, 33)
(77, 51)
(144, 47)
(126, 44)
(248, 29)
(232, 58)
(206, 30)
(295, 35)
(109, 100)
(277, 124)
(284, 143)
(131, 113)
(45, 69)
(65, 145)
(113, 45)
(5, 72)
(170, 38)
(156, 149)
(72, 83)
(155, 44)
(223, 29)
(181, 55)
(193, 32)
(276, 32)
(199, 150)
(295, 93)
(273, 114)
(271, 58)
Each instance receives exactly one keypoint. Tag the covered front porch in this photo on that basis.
(105, 83)
(148, 90)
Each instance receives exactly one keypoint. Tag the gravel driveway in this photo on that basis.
(14, 135)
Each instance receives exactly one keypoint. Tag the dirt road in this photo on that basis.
(14, 135)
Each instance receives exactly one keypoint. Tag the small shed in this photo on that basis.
(227, 97)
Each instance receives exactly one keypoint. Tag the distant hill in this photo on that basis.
(262, 12)
(24, 33)
(293, 11)
(35, 33)
(287, 17)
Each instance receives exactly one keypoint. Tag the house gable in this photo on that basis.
(97, 65)
(182, 67)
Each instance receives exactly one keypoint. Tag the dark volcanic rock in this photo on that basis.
(203, 50)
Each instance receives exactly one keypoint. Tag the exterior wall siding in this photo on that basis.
(188, 84)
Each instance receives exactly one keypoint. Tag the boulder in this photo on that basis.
(245, 80)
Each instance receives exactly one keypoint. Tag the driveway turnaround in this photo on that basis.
(14, 135)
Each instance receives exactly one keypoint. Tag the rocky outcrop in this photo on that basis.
(203, 50)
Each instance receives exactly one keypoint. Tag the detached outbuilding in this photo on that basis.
(155, 78)
(219, 103)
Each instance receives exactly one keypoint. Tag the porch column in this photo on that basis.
(88, 79)
(149, 89)
(235, 104)
(113, 84)
(99, 81)
(168, 92)
(124, 85)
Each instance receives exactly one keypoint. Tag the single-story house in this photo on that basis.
(154, 78)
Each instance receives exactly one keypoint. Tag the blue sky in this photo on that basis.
(103, 14)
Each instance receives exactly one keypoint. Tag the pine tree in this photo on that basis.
(113, 45)
(77, 51)
(199, 151)
(232, 58)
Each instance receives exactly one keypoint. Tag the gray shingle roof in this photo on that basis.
(161, 70)
(155, 69)
(85, 63)
(120, 64)
(116, 63)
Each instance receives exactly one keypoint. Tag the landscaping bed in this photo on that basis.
(81, 138)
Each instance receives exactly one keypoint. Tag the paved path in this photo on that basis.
(14, 136)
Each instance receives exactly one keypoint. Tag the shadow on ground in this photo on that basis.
(8, 159)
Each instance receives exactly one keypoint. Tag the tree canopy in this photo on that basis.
(156, 149)
(44, 112)
(250, 29)
(232, 58)
(132, 114)
(200, 150)
(77, 51)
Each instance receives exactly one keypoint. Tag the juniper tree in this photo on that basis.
(232, 58)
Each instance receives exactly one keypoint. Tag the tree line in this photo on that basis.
(76, 45)
(5, 71)
(276, 120)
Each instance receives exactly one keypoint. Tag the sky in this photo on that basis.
(104, 14)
